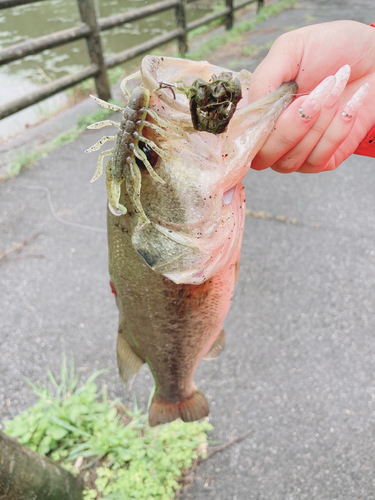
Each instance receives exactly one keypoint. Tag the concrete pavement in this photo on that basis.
(298, 368)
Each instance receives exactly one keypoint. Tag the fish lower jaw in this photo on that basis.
(193, 408)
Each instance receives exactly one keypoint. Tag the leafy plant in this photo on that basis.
(75, 423)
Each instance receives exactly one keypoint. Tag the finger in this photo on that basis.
(293, 125)
(350, 144)
(321, 156)
(295, 159)
(297, 55)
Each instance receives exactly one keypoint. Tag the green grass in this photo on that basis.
(234, 35)
(119, 455)
(22, 161)
(254, 50)
(201, 30)
(27, 159)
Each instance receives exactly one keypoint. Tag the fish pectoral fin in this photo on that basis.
(128, 362)
(217, 347)
(189, 410)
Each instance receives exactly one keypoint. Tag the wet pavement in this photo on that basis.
(297, 373)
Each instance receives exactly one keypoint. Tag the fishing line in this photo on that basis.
(57, 217)
(363, 55)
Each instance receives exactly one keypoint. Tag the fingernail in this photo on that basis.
(317, 98)
(342, 77)
(356, 101)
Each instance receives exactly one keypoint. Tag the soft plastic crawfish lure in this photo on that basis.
(122, 165)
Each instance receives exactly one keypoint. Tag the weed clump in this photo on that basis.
(110, 446)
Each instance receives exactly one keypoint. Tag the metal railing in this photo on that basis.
(90, 29)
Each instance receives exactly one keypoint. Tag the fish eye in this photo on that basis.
(151, 155)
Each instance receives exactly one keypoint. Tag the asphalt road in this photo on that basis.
(297, 373)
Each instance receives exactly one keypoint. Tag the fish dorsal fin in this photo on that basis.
(217, 347)
(128, 362)
(189, 410)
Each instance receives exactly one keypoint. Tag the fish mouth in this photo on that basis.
(155, 69)
(266, 108)
(169, 244)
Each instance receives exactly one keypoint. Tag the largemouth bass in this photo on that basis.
(175, 222)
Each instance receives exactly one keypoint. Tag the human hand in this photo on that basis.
(309, 55)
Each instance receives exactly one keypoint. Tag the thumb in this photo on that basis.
(281, 64)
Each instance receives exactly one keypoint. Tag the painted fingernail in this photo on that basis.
(317, 98)
(356, 102)
(342, 77)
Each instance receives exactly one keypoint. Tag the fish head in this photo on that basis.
(197, 215)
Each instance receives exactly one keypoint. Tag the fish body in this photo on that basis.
(169, 326)
(174, 277)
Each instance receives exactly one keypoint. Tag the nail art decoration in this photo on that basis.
(303, 115)
(356, 102)
(342, 77)
(317, 98)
